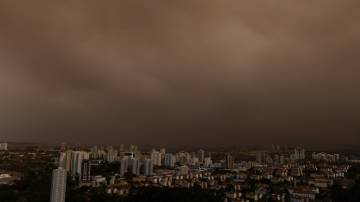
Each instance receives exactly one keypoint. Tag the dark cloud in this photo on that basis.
(181, 72)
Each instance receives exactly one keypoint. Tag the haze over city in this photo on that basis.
(180, 72)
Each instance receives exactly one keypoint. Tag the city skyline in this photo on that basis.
(123, 173)
(180, 73)
(181, 101)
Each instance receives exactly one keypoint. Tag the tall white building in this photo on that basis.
(156, 157)
(183, 157)
(229, 162)
(76, 161)
(111, 155)
(169, 160)
(299, 154)
(3, 146)
(58, 185)
(65, 160)
(72, 161)
(148, 167)
(124, 165)
(207, 162)
(201, 155)
(62, 160)
(135, 166)
(194, 161)
(302, 153)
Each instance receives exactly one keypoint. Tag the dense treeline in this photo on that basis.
(35, 185)
(349, 195)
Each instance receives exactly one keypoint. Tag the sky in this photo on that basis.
(181, 72)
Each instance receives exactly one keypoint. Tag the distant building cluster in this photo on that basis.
(325, 157)
(3, 146)
(301, 175)
(72, 161)
(280, 155)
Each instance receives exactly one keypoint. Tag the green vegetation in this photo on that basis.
(35, 185)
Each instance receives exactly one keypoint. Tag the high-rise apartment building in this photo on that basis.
(201, 155)
(148, 167)
(71, 161)
(86, 171)
(135, 166)
(58, 185)
(207, 162)
(124, 165)
(169, 160)
(229, 162)
(3, 146)
(156, 157)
